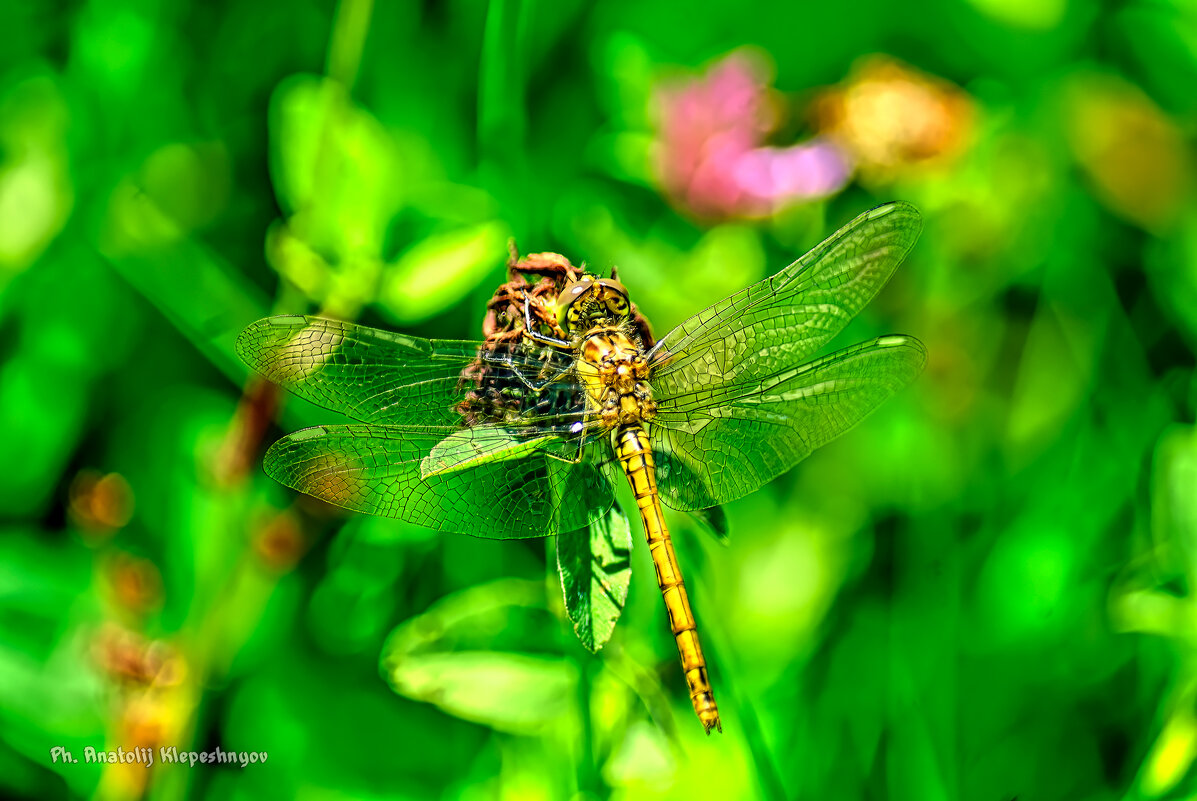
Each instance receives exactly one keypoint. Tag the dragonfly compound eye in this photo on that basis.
(588, 300)
(613, 298)
(569, 301)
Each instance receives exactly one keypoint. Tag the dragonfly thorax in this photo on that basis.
(615, 371)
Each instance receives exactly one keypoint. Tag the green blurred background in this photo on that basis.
(983, 592)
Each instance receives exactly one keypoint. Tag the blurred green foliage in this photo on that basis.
(984, 592)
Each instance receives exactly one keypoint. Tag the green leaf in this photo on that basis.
(595, 565)
(448, 657)
(441, 269)
(474, 447)
(714, 521)
(1174, 504)
(335, 168)
(519, 693)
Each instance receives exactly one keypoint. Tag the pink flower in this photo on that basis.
(711, 155)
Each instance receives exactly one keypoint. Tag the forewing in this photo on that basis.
(371, 375)
(716, 445)
(380, 470)
(784, 319)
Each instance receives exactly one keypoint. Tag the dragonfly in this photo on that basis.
(718, 407)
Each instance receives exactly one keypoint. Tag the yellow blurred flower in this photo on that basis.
(891, 118)
(1133, 154)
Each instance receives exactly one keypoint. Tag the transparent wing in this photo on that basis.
(381, 377)
(487, 481)
(780, 321)
(712, 446)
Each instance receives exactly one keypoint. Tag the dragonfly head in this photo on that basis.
(590, 301)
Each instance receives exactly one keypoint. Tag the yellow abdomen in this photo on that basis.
(636, 458)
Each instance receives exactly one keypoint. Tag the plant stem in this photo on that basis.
(501, 109)
(589, 780)
(742, 709)
(348, 40)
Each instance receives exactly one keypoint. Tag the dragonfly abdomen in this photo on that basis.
(632, 448)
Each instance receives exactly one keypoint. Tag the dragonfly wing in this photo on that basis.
(377, 376)
(503, 491)
(713, 446)
(784, 319)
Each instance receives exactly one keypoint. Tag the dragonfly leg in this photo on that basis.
(535, 335)
(538, 386)
(571, 459)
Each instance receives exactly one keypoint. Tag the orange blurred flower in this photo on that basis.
(100, 504)
(152, 702)
(136, 583)
(280, 542)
